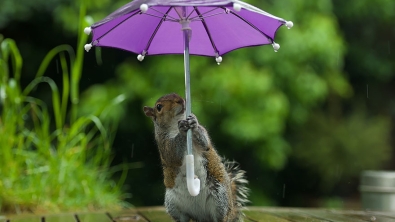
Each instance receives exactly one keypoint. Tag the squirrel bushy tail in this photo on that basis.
(238, 178)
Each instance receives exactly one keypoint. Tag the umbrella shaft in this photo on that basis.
(187, 88)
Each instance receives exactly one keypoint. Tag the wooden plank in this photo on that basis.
(155, 214)
(331, 216)
(90, 217)
(253, 214)
(39, 218)
(127, 215)
(23, 218)
(297, 216)
(369, 216)
(261, 216)
(60, 218)
(385, 214)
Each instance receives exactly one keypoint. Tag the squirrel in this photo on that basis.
(223, 191)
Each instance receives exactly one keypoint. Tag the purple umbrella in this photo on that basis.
(209, 28)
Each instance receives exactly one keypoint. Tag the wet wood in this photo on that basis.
(253, 214)
(155, 214)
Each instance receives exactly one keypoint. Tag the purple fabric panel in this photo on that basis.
(133, 5)
(136, 32)
(169, 39)
(266, 24)
(230, 33)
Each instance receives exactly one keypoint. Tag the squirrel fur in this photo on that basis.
(223, 191)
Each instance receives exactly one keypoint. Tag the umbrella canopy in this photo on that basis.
(152, 27)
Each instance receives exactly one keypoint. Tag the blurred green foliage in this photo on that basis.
(50, 162)
(337, 143)
(294, 117)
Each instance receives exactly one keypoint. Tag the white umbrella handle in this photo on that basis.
(192, 182)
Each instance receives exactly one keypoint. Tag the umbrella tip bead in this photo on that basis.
(88, 30)
(236, 7)
(276, 46)
(218, 59)
(88, 47)
(140, 57)
(143, 8)
(289, 24)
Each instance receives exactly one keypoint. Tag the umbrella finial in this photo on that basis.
(236, 7)
(143, 8)
(276, 46)
(88, 47)
(141, 56)
(88, 30)
(289, 24)
(218, 59)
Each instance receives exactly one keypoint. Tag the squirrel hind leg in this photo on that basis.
(172, 210)
(238, 182)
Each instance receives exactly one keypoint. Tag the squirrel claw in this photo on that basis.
(192, 121)
(183, 125)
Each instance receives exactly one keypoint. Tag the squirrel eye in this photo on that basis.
(159, 107)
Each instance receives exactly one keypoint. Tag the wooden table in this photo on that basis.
(253, 214)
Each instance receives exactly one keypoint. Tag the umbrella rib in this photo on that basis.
(156, 30)
(199, 19)
(171, 20)
(190, 13)
(166, 14)
(252, 26)
(201, 14)
(207, 30)
(137, 12)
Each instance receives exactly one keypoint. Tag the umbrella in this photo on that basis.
(197, 27)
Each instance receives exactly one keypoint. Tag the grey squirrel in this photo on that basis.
(223, 191)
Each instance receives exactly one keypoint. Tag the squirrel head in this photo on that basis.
(168, 109)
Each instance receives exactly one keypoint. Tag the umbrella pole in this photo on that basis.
(193, 183)
(187, 89)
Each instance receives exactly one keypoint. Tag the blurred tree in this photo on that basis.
(338, 149)
(346, 136)
(260, 107)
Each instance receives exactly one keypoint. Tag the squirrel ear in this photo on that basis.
(148, 111)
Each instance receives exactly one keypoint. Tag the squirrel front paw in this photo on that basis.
(183, 126)
(190, 123)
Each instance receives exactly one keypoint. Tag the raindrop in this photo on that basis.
(57, 66)
(284, 191)
(98, 55)
(367, 91)
(338, 57)
(220, 105)
(132, 151)
(389, 47)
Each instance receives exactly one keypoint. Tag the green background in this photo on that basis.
(303, 122)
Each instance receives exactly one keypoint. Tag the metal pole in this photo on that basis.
(187, 86)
